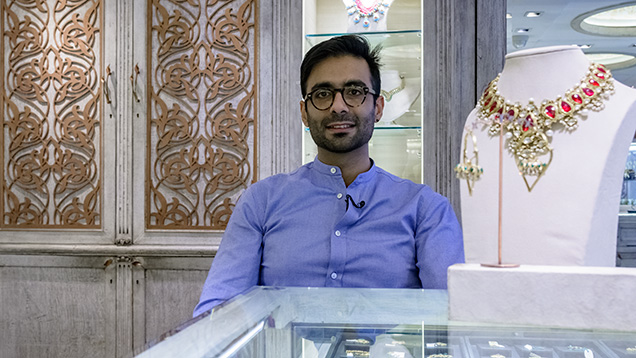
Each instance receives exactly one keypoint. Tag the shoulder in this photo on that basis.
(279, 182)
(405, 185)
(425, 197)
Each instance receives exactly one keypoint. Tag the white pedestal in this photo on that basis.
(555, 296)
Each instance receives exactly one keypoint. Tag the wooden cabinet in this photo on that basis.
(130, 128)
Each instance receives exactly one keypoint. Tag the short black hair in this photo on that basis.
(346, 45)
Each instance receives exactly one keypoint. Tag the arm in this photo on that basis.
(439, 242)
(236, 265)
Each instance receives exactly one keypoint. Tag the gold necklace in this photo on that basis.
(529, 129)
(388, 95)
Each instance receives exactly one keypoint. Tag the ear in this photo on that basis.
(379, 108)
(303, 112)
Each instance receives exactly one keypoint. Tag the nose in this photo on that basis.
(339, 105)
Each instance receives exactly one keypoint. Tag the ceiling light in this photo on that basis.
(615, 20)
(519, 41)
(620, 17)
(533, 13)
(522, 30)
(613, 61)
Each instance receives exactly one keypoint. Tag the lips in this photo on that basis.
(340, 125)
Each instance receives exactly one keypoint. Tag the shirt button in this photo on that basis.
(334, 275)
(339, 195)
(337, 232)
(333, 170)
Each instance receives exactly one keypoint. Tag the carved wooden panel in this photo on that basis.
(201, 106)
(51, 114)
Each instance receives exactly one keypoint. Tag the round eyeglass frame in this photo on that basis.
(365, 89)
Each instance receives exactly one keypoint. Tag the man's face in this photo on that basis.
(340, 128)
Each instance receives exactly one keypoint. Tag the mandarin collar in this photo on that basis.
(333, 170)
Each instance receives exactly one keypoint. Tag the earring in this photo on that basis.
(469, 168)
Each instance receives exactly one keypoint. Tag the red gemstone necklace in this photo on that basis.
(529, 129)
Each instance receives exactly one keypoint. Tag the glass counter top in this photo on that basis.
(350, 322)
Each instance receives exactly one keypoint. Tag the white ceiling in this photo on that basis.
(554, 27)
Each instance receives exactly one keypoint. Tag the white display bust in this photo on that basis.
(571, 215)
(356, 21)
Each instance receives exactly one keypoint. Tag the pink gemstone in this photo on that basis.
(550, 111)
(577, 98)
(565, 106)
(601, 69)
(593, 83)
(600, 75)
(588, 91)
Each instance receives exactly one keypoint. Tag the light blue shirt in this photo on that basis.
(303, 229)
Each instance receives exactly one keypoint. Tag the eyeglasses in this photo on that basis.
(353, 96)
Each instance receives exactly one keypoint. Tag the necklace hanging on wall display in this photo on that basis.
(360, 12)
(529, 129)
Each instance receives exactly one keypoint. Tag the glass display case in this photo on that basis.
(350, 322)
(396, 145)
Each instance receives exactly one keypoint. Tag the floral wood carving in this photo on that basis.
(51, 114)
(201, 105)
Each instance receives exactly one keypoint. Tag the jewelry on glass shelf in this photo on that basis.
(440, 355)
(497, 356)
(495, 344)
(631, 350)
(576, 348)
(436, 345)
(469, 168)
(388, 95)
(363, 13)
(529, 128)
(356, 353)
(358, 341)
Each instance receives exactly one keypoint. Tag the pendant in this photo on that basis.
(528, 149)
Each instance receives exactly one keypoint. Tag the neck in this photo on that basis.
(351, 164)
(543, 73)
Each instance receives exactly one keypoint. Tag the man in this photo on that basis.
(339, 221)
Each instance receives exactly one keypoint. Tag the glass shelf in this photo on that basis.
(387, 38)
(401, 50)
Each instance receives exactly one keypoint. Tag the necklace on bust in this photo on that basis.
(529, 128)
(388, 95)
(363, 13)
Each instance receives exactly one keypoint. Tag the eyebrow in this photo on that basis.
(330, 85)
